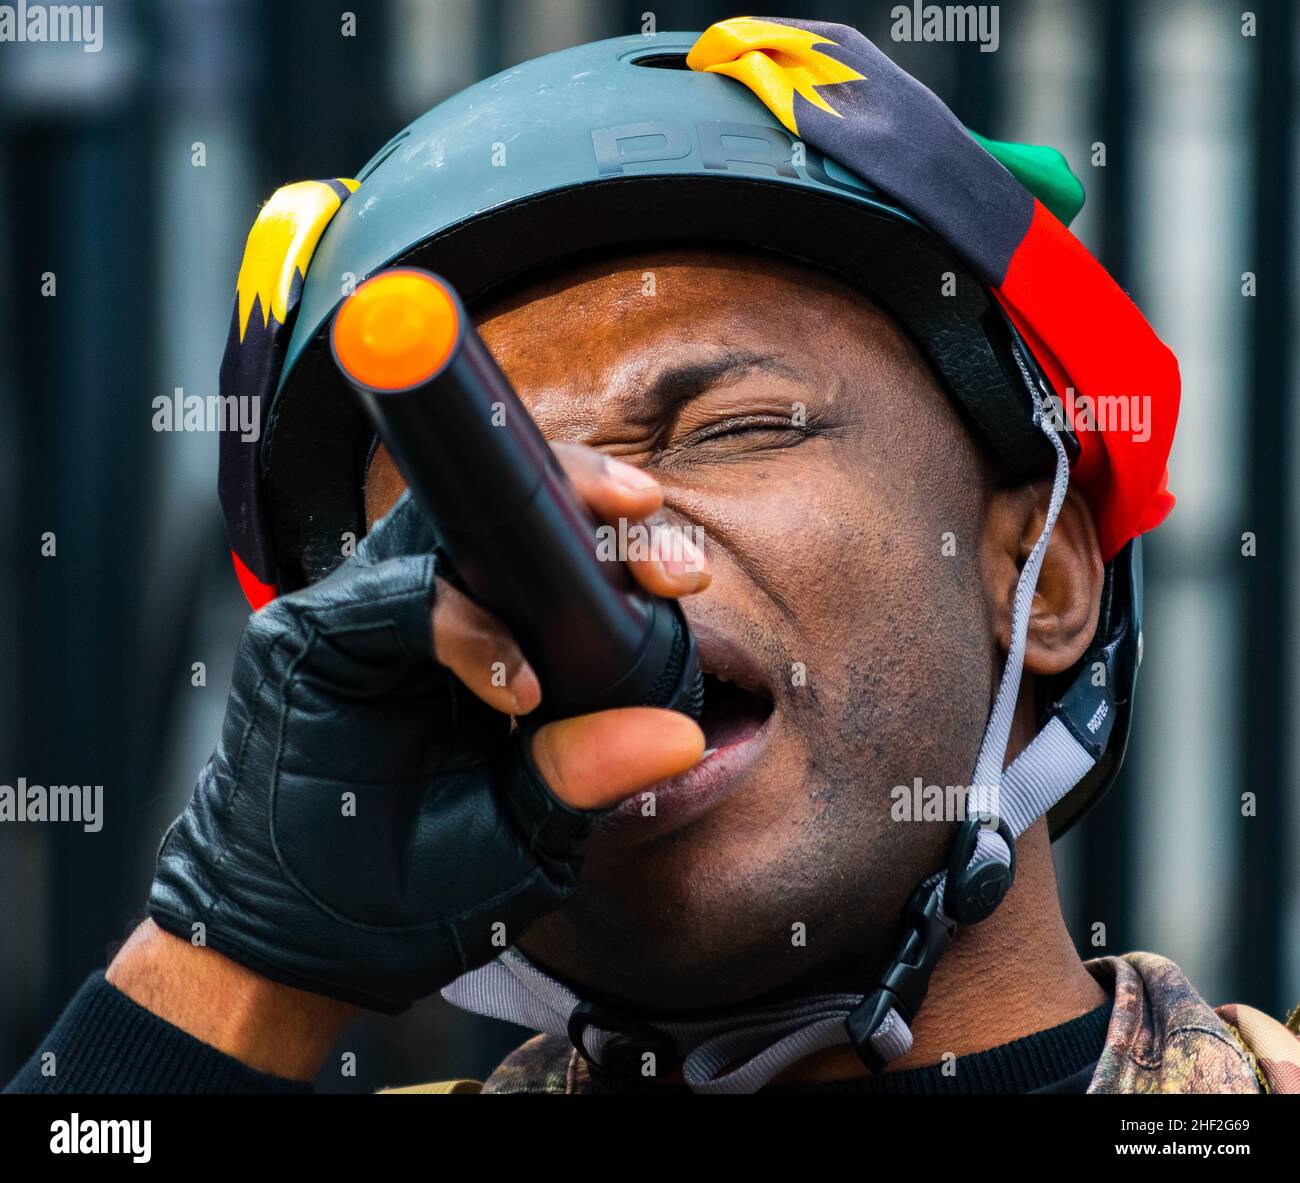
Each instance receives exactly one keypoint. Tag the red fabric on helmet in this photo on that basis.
(1103, 348)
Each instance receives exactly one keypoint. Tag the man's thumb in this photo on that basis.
(595, 761)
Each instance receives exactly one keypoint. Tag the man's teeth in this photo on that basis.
(709, 752)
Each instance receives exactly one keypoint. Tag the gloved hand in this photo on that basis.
(367, 828)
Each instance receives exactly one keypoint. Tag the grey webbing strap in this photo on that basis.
(893, 1038)
(758, 1043)
(993, 792)
(993, 750)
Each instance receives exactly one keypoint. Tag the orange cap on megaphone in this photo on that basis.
(396, 330)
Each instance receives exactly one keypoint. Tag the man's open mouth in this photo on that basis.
(732, 713)
(737, 710)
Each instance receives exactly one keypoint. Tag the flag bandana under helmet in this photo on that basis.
(831, 87)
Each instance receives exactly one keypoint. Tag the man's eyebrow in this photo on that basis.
(679, 381)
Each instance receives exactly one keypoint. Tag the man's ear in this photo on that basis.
(1068, 598)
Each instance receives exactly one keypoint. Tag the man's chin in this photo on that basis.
(661, 953)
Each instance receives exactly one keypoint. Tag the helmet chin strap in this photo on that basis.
(742, 1049)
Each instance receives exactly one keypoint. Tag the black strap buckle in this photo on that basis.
(971, 894)
(622, 1062)
(903, 985)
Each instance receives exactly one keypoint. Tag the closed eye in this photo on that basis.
(741, 434)
(731, 403)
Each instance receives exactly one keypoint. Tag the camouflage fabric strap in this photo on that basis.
(1273, 1048)
(438, 1086)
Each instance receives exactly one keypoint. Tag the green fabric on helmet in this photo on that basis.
(1041, 170)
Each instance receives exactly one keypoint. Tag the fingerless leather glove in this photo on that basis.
(365, 829)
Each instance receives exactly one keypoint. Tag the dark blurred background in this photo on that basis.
(99, 185)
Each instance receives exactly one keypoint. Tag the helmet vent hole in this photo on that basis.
(662, 61)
